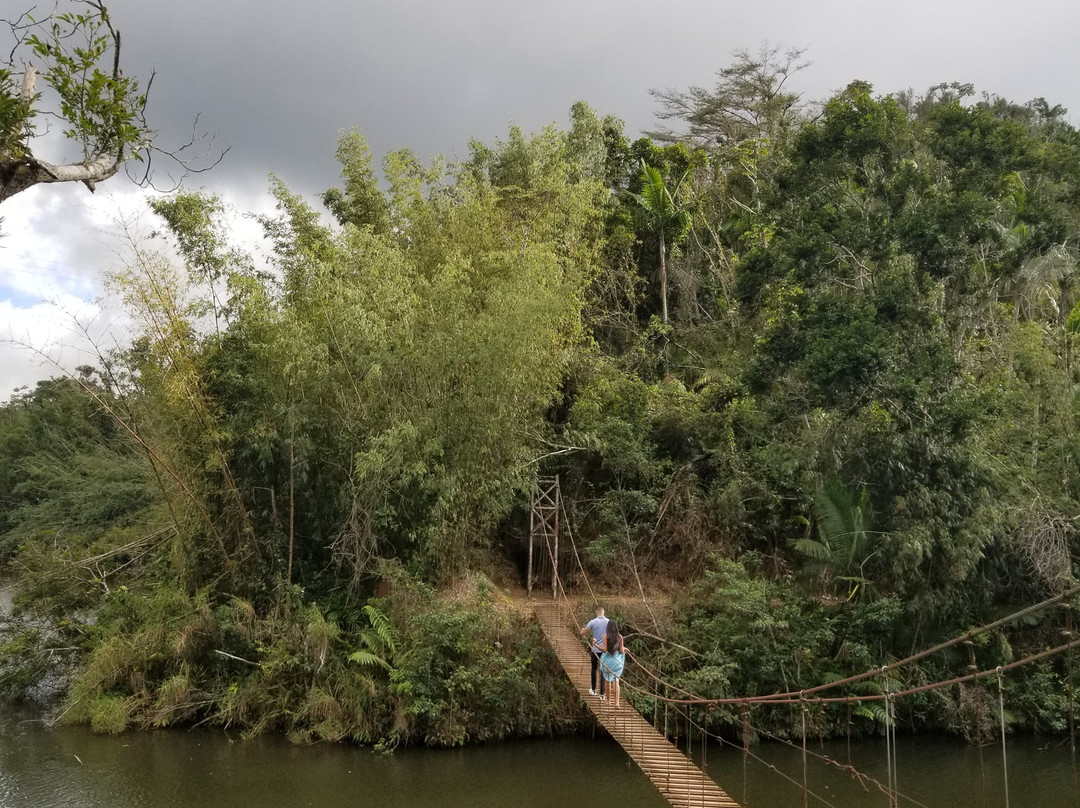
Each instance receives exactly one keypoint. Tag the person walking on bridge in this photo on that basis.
(613, 659)
(597, 627)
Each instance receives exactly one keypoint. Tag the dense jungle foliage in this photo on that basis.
(810, 366)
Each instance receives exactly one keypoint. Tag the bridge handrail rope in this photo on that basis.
(772, 767)
(890, 746)
(805, 696)
(967, 635)
(861, 777)
(794, 696)
(890, 790)
(746, 751)
(967, 677)
(573, 544)
(799, 695)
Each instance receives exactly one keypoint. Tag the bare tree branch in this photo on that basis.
(71, 52)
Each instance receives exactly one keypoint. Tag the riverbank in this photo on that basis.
(466, 664)
(418, 667)
(220, 769)
(39, 655)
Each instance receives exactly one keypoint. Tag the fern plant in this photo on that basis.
(378, 642)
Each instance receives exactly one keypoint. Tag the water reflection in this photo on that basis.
(70, 766)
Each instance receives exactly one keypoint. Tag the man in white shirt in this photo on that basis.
(597, 627)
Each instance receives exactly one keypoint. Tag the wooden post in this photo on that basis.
(555, 555)
(532, 532)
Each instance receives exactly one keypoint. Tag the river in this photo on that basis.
(70, 767)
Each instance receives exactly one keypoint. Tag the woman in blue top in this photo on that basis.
(613, 658)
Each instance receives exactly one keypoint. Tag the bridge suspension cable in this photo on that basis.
(805, 694)
(686, 699)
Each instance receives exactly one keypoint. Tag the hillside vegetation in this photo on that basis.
(814, 367)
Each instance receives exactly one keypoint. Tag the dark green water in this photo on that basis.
(74, 768)
(931, 771)
(42, 768)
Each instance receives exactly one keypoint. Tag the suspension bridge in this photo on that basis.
(681, 782)
(678, 778)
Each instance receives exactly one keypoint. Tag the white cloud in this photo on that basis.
(57, 248)
(51, 338)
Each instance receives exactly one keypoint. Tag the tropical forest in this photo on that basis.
(805, 372)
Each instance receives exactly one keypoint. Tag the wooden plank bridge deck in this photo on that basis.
(682, 783)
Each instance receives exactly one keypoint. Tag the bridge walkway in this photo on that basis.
(682, 783)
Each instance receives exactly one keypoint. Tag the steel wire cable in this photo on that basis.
(799, 695)
(795, 698)
(891, 790)
(861, 777)
(772, 767)
(1001, 714)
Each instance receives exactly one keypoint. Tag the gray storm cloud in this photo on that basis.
(277, 81)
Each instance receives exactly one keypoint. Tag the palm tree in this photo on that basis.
(660, 207)
(845, 541)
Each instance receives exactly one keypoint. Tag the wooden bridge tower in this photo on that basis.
(544, 536)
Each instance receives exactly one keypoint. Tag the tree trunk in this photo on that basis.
(292, 490)
(663, 278)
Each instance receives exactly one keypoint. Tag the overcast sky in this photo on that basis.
(277, 81)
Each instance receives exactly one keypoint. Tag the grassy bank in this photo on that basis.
(418, 666)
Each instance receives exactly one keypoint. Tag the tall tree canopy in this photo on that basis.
(385, 396)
